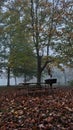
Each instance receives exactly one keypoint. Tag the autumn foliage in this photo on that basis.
(21, 109)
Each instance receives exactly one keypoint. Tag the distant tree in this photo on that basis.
(64, 44)
(17, 41)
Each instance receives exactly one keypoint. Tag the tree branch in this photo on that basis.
(45, 64)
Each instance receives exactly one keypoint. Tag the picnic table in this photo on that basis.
(51, 81)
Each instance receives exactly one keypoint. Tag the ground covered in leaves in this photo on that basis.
(36, 110)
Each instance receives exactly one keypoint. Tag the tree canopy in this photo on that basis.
(33, 29)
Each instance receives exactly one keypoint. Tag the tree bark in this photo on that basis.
(8, 76)
(15, 80)
(25, 78)
(39, 70)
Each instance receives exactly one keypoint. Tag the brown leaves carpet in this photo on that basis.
(36, 110)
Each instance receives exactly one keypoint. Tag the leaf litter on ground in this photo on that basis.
(41, 111)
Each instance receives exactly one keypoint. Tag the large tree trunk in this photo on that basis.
(15, 80)
(8, 76)
(39, 70)
(25, 78)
